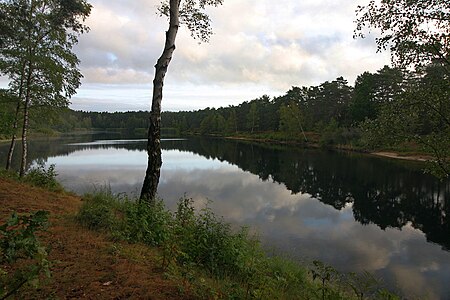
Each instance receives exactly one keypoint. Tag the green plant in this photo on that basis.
(22, 256)
(99, 210)
(364, 284)
(9, 174)
(41, 177)
(326, 274)
(146, 224)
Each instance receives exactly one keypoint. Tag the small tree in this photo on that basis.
(291, 119)
(192, 14)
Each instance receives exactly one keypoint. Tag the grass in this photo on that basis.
(211, 261)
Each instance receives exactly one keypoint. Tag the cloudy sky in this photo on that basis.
(258, 47)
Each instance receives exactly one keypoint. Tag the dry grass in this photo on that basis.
(86, 265)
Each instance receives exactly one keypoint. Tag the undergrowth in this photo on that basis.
(42, 177)
(22, 257)
(37, 175)
(212, 261)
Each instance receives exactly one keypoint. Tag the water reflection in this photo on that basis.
(386, 193)
(276, 190)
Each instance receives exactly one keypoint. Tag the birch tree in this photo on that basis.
(190, 13)
(36, 54)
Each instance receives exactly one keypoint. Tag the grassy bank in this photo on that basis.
(109, 246)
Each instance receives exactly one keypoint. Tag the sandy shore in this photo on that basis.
(404, 157)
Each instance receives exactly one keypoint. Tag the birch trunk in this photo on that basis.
(13, 138)
(23, 165)
(151, 180)
(16, 122)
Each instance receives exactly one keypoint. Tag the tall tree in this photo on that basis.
(36, 54)
(291, 119)
(253, 117)
(329, 100)
(372, 91)
(192, 14)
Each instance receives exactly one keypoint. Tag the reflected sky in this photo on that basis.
(296, 224)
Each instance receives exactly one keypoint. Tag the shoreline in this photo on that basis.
(396, 155)
(381, 153)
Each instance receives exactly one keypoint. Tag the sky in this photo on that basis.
(259, 47)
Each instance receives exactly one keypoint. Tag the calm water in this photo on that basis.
(352, 211)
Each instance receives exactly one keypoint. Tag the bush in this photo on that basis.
(100, 210)
(39, 176)
(9, 174)
(147, 224)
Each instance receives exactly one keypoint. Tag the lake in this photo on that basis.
(353, 211)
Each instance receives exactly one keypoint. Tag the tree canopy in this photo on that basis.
(416, 32)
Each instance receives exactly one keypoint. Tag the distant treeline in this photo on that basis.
(313, 108)
(335, 111)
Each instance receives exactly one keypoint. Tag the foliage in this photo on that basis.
(36, 56)
(373, 90)
(202, 251)
(6, 113)
(41, 177)
(98, 210)
(416, 32)
(146, 224)
(193, 16)
(22, 257)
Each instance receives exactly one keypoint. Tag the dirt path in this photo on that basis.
(86, 265)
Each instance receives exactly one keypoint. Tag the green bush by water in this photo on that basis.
(37, 176)
(211, 260)
(42, 177)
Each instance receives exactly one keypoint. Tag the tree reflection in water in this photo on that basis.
(385, 193)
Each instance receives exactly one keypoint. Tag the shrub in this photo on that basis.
(99, 210)
(9, 174)
(45, 178)
(147, 224)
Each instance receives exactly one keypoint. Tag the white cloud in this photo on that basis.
(272, 45)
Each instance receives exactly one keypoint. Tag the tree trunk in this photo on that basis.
(16, 122)
(151, 180)
(13, 137)
(23, 165)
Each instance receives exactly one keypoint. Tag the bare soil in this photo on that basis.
(86, 264)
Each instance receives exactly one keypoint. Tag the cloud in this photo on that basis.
(272, 45)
